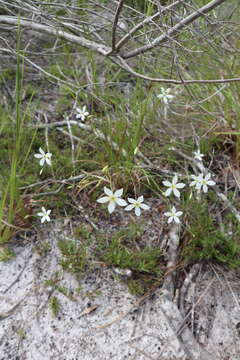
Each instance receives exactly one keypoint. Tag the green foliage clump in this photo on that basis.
(135, 287)
(6, 254)
(54, 306)
(206, 242)
(123, 251)
(74, 256)
(125, 256)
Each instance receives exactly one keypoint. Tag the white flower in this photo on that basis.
(165, 96)
(112, 199)
(197, 180)
(198, 155)
(173, 186)
(82, 113)
(173, 215)
(204, 182)
(44, 157)
(44, 215)
(137, 204)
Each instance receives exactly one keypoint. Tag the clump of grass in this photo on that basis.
(123, 251)
(54, 306)
(6, 254)
(128, 256)
(205, 241)
(74, 254)
(11, 193)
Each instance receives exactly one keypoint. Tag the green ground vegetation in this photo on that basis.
(127, 129)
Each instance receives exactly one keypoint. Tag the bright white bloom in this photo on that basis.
(197, 155)
(44, 157)
(82, 113)
(112, 199)
(204, 182)
(44, 215)
(173, 186)
(173, 215)
(197, 181)
(165, 96)
(137, 204)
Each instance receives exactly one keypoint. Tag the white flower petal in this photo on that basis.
(167, 183)
(121, 202)
(176, 219)
(178, 213)
(168, 192)
(144, 206)
(176, 193)
(129, 207)
(118, 193)
(167, 213)
(198, 185)
(137, 211)
(170, 219)
(205, 188)
(48, 161)
(103, 200)
(180, 185)
(108, 191)
(38, 156)
(42, 161)
(211, 182)
(207, 177)
(174, 180)
(131, 200)
(41, 151)
(111, 206)
(140, 199)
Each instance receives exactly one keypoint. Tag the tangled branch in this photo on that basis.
(116, 21)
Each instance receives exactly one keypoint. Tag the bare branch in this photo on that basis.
(181, 24)
(115, 22)
(100, 48)
(143, 23)
(122, 63)
(57, 27)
